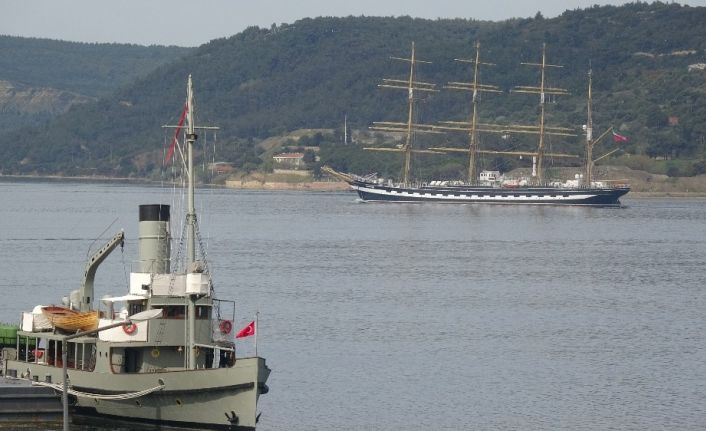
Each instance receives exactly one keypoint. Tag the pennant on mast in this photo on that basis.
(172, 147)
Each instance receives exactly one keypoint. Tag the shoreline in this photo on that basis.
(318, 186)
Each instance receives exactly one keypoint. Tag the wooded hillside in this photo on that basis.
(40, 78)
(646, 59)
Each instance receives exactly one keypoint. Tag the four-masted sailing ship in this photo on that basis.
(535, 191)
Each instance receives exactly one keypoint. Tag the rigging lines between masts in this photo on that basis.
(475, 88)
(188, 163)
(474, 127)
(589, 162)
(542, 90)
(409, 128)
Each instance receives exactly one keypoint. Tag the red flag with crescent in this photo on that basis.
(170, 152)
(247, 330)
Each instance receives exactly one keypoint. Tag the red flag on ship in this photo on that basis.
(170, 152)
(246, 331)
(619, 138)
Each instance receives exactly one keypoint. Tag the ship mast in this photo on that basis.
(590, 142)
(409, 128)
(589, 135)
(542, 90)
(191, 221)
(191, 137)
(475, 88)
(473, 127)
(190, 210)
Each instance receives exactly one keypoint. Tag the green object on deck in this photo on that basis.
(8, 334)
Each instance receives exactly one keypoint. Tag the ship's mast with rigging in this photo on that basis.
(191, 263)
(409, 128)
(191, 137)
(190, 210)
(589, 162)
(543, 91)
(589, 136)
(473, 127)
(475, 88)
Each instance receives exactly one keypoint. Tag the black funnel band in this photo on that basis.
(154, 212)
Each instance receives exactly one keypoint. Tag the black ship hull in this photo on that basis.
(373, 192)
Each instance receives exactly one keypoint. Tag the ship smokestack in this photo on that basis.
(154, 239)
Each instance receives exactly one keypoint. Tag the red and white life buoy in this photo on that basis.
(225, 326)
(130, 329)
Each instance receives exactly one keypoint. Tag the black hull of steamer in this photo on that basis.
(372, 192)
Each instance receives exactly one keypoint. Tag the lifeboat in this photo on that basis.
(71, 320)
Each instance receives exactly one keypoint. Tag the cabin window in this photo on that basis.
(566, 195)
(135, 307)
(174, 312)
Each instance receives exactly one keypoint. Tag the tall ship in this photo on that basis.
(161, 353)
(584, 190)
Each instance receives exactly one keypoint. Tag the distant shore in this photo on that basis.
(311, 186)
(320, 186)
(88, 179)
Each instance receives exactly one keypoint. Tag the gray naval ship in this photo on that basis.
(176, 368)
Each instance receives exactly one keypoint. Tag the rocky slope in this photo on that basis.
(23, 99)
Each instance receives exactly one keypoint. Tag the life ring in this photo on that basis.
(225, 326)
(39, 353)
(130, 329)
(155, 353)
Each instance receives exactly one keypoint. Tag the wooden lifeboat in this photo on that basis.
(71, 320)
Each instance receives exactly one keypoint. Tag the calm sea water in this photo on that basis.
(438, 317)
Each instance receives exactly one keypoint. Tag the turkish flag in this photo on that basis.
(247, 331)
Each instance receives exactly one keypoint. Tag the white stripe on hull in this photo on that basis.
(496, 197)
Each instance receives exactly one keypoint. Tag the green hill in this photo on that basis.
(309, 74)
(40, 78)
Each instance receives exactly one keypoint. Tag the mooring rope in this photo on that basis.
(113, 397)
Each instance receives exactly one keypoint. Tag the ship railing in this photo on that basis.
(215, 346)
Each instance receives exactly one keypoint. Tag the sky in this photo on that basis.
(192, 23)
